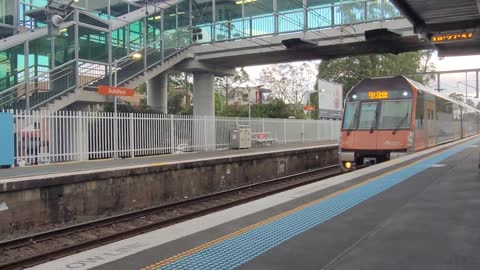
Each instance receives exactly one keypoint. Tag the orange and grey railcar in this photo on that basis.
(385, 118)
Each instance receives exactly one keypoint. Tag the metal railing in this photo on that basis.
(51, 137)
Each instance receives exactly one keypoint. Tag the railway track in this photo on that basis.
(39, 248)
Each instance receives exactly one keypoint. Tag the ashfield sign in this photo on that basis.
(115, 91)
(452, 37)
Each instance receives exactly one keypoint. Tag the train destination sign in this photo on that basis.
(115, 91)
(378, 94)
(452, 37)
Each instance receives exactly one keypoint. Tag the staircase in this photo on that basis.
(154, 71)
(130, 74)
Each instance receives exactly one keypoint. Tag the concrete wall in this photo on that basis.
(37, 204)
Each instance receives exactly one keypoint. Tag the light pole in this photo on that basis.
(135, 56)
(318, 102)
(250, 101)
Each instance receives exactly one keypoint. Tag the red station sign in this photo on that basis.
(115, 91)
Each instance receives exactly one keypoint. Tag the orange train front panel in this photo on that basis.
(377, 140)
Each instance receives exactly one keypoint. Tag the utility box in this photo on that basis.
(241, 138)
(6, 137)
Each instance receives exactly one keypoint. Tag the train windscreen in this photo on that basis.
(395, 114)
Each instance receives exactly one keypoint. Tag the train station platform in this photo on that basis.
(48, 197)
(112, 164)
(417, 212)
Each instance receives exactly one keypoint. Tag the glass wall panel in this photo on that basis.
(390, 10)
(119, 43)
(202, 16)
(65, 46)
(93, 45)
(7, 9)
(171, 35)
(291, 16)
(374, 10)
(25, 6)
(9, 70)
(154, 25)
(40, 54)
(320, 13)
(183, 24)
(348, 13)
(154, 45)
(136, 35)
(229, 20)
(260, 15)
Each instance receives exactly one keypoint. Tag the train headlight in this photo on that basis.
(405, 94)
(348, 165)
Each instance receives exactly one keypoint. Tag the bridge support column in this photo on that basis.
(204, 110)
(157, 97)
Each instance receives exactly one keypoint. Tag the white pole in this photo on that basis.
(249, 107)
(318, 105)
(115, 117)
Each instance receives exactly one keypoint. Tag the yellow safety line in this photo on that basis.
(274, 218)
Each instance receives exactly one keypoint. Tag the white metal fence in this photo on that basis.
(49, 137)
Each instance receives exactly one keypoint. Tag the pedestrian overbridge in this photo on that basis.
(128, 43)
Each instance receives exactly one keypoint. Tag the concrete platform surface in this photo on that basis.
(416, 212)
(69, 167)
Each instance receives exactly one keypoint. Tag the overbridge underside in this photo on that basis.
(396, 37)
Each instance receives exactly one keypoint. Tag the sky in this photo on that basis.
(450, 83)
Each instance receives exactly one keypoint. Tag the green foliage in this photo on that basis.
(276, 108)
(128, 108)
(227, 85)
(218, 102)
(314, 102)
(351, 70)
(180, 87)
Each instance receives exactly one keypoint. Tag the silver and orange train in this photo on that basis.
(385, 118)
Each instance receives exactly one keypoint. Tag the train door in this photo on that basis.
(430, 113)
(367, 126)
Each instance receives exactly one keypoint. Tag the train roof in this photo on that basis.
(424, 88)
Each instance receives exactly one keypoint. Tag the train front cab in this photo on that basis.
(378, 122)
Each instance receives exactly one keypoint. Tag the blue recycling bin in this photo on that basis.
(6, 140)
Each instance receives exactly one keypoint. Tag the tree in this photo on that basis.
(180, 89)
(226, 85)
(288, 82)
(349, 71)
(275, 108)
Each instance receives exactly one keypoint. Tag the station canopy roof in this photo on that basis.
(453, 26)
